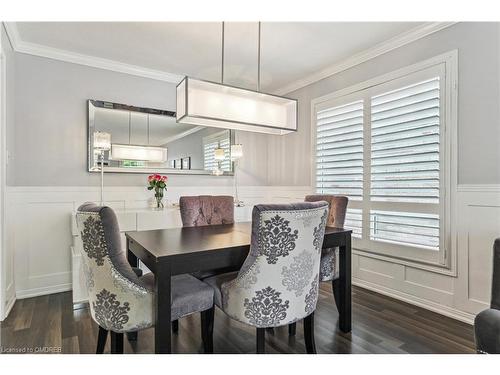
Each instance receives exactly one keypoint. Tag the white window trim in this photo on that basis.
(447, 264)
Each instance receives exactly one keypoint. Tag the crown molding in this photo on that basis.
(73, 57)
(359, 58)
(76, 58)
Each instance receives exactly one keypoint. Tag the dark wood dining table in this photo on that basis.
(169, 252)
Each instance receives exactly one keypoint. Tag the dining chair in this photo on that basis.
(487, 322)
(206, 210)
(201, 210)
(278, 282)
(329, 264)
(120, 301)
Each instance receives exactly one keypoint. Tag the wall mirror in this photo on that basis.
(145, 140)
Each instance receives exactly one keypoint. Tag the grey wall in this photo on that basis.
(10, 94)
(478, 47)
(48, 142)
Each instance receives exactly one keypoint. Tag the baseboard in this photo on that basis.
(8, 307)
(420, 302)
(35, 292)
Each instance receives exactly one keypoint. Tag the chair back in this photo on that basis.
(495, 287)
(337, 208)
(118, 299)
(278, 283)
(206, 210)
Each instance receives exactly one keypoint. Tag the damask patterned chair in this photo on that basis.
(278, 282)
(120, 301)
(329, 268)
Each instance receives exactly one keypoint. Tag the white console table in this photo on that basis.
(132, 220)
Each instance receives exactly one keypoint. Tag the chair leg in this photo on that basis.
(101, 340)
(207, 329)
(175, 326)
(336, 292)
(116, 343)
(309, 334)
(270, 330)
(261, 340)
(292, 329)
(132, 336)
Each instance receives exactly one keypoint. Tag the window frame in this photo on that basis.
(447, 66)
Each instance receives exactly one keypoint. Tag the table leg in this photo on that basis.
(162, 306)
(134, 262)
(132, 259)
(345, 285)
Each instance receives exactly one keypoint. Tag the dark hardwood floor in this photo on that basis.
(380, 325)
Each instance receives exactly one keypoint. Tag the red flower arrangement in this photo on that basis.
(158, 183)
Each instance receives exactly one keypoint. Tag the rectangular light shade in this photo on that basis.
(221, 106)
(140, 153)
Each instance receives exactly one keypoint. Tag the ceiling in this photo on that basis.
(290, 51)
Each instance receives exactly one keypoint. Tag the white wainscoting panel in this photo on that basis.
(40, 227)
(460, 296)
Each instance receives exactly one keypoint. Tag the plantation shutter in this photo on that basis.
(339, 150)
(405, 144)
(339, 156)
(210, 144)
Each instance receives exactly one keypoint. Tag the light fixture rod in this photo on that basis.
(222, 58)
(258, 62)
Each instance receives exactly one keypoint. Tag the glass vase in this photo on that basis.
(159, 199)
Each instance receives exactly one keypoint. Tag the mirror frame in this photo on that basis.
(92, 104)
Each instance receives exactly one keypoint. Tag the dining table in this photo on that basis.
(175, 251)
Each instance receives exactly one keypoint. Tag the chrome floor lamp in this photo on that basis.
(236, 155)
(102, 143)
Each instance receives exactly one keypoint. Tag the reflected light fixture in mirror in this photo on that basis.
(140, 153)
(219, 156)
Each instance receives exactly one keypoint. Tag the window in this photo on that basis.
(212, 142)
(384, 144)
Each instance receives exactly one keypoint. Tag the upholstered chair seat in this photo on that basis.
(278, 282)
(487, 322)
(120, 299)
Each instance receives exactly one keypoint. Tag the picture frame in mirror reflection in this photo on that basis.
(151, 141)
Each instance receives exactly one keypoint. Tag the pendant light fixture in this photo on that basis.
(219, 105)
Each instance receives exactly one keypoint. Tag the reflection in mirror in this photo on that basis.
(147, 140)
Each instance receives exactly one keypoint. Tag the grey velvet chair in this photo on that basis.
(487, 322)
(120, 301)
(329, 268)
(278, 282)
(201, 210)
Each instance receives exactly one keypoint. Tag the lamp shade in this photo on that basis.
(219, 154)
(102, 141)
(236, 152)
(140, 153)
(222, 106)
